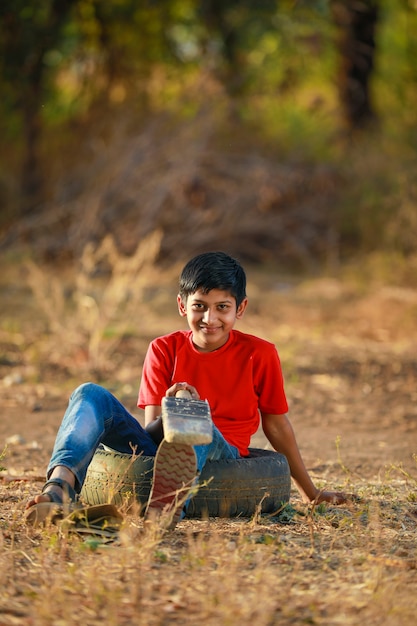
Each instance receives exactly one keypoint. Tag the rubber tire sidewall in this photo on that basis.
(227, 488)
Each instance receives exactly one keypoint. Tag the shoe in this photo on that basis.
(174, 474)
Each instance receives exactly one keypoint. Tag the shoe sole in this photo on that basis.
(175, 470)
(100, 520)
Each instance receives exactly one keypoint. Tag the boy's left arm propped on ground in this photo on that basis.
(280, 434)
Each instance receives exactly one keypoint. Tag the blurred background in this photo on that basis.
(284, 132)
(136, 133)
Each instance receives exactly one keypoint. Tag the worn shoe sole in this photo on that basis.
(100, 520)
(186, 421)
(175, 470)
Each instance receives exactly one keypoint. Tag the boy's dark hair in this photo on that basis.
(213, 270)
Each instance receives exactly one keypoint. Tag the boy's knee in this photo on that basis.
(85, 390)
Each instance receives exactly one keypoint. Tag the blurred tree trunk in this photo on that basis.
(27, 32)
(356, 22)
(31, 176)
(215, 15)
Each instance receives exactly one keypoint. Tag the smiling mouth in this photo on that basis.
(209, 329)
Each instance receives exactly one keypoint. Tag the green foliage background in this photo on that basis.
(66, 66)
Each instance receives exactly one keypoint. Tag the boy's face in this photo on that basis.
(211, 316)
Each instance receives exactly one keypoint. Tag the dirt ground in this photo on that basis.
(348, 356)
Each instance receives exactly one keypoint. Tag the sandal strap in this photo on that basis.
(66, 488)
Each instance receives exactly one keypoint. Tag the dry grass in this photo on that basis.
(329, 566)
(90, 314)
(350, 375)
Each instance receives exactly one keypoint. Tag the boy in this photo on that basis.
(239, 374)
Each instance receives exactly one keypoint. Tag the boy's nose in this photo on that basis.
(209, 316)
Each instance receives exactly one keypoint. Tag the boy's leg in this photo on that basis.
(218, 449)
(94, 416)
(176, 470)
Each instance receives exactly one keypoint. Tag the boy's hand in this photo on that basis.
(333, 497)
(172, 391)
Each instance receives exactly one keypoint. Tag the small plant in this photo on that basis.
(2, 456)
(91, 316)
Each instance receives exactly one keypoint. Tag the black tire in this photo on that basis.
(232, 488)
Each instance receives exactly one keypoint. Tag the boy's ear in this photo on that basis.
(241, 309)
(182, 307)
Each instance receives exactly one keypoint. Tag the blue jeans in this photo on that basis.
(95, 416)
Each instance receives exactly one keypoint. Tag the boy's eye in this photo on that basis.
(199, 306)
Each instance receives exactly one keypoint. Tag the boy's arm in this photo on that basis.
(153, 422)
(280, 434)
(152, 412)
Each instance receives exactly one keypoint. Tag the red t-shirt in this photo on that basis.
(239, 379)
